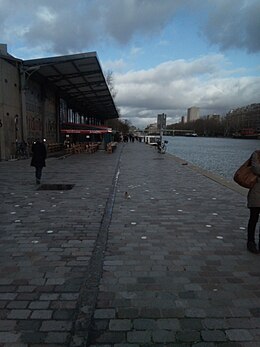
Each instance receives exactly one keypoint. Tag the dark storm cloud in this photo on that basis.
(59, 26)
(125, 18)
(234, 24)
(64, 26)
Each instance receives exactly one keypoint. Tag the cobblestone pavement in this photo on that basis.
(174, 270)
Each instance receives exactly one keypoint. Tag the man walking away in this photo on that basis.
(39, 154)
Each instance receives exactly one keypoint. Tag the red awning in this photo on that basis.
(81, 131)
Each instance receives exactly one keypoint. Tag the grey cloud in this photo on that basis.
(124, 18)
(71, 26)
(143, 97)
(71, 30)
(234, 24)
(78, 25)
(177, 70)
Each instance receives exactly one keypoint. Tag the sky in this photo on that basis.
(165, 55)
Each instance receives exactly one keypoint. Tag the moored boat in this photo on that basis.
(246, 133)
(191, 134)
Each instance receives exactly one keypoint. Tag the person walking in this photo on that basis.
(253, 203)
(39, 154)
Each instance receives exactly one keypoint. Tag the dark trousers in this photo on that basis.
(253, 219)
(38, 172)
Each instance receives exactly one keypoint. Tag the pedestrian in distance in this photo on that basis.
(253, 203)
(39, 154)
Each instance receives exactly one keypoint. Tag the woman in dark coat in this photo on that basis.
(253, 203)
(39, 154)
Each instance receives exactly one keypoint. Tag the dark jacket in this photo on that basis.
(39, 154)
(253, 197)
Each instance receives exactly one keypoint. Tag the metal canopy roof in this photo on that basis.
(79, 80)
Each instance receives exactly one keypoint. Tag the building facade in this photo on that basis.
(51, 98)
(246, 117)
(193, 113)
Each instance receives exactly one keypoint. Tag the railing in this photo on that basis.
(90, 147)
(111, 146)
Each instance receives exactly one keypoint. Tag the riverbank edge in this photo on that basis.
(214, 177)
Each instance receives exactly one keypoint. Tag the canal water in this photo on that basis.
(221, 156)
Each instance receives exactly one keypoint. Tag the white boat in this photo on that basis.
(191, 134)
(152, 140)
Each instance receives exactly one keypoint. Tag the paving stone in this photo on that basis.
(52, 325)
(58, 337)
(69, 296)
(27, 296)
(9, 337)
(120, 324)
(205, 344)
(8, 296)
(195, 313)
(41, 314)
(150, 313)
(29, 325)
(168, 324)
(127, 312)
(140, 337)
(188, 336)
(33, 337)
(63, 314)
(24, 289)
(213, 335)
(190, 323)
(239, 335)
(16, 304)
(63, 305)
(39, 305)
(168, 274)
(3, 304)
(215, 323)
(7, 325)
(49, 297)
(163, 336)
(105, 313)
(100, 324)
(14, 344)
(111, 337)
(19, 314)
(144, 324)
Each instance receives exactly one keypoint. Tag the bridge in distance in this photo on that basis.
(172, 132)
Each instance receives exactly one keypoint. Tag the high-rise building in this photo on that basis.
(193, 114)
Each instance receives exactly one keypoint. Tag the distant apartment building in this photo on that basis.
(216, 117)
(151, 129)
(183, 119)
(245, 117)
(193, 114)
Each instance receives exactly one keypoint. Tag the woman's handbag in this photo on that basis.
(244, 176)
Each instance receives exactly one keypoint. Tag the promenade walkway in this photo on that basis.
(163, 265)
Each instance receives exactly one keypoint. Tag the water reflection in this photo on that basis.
(219, 155)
